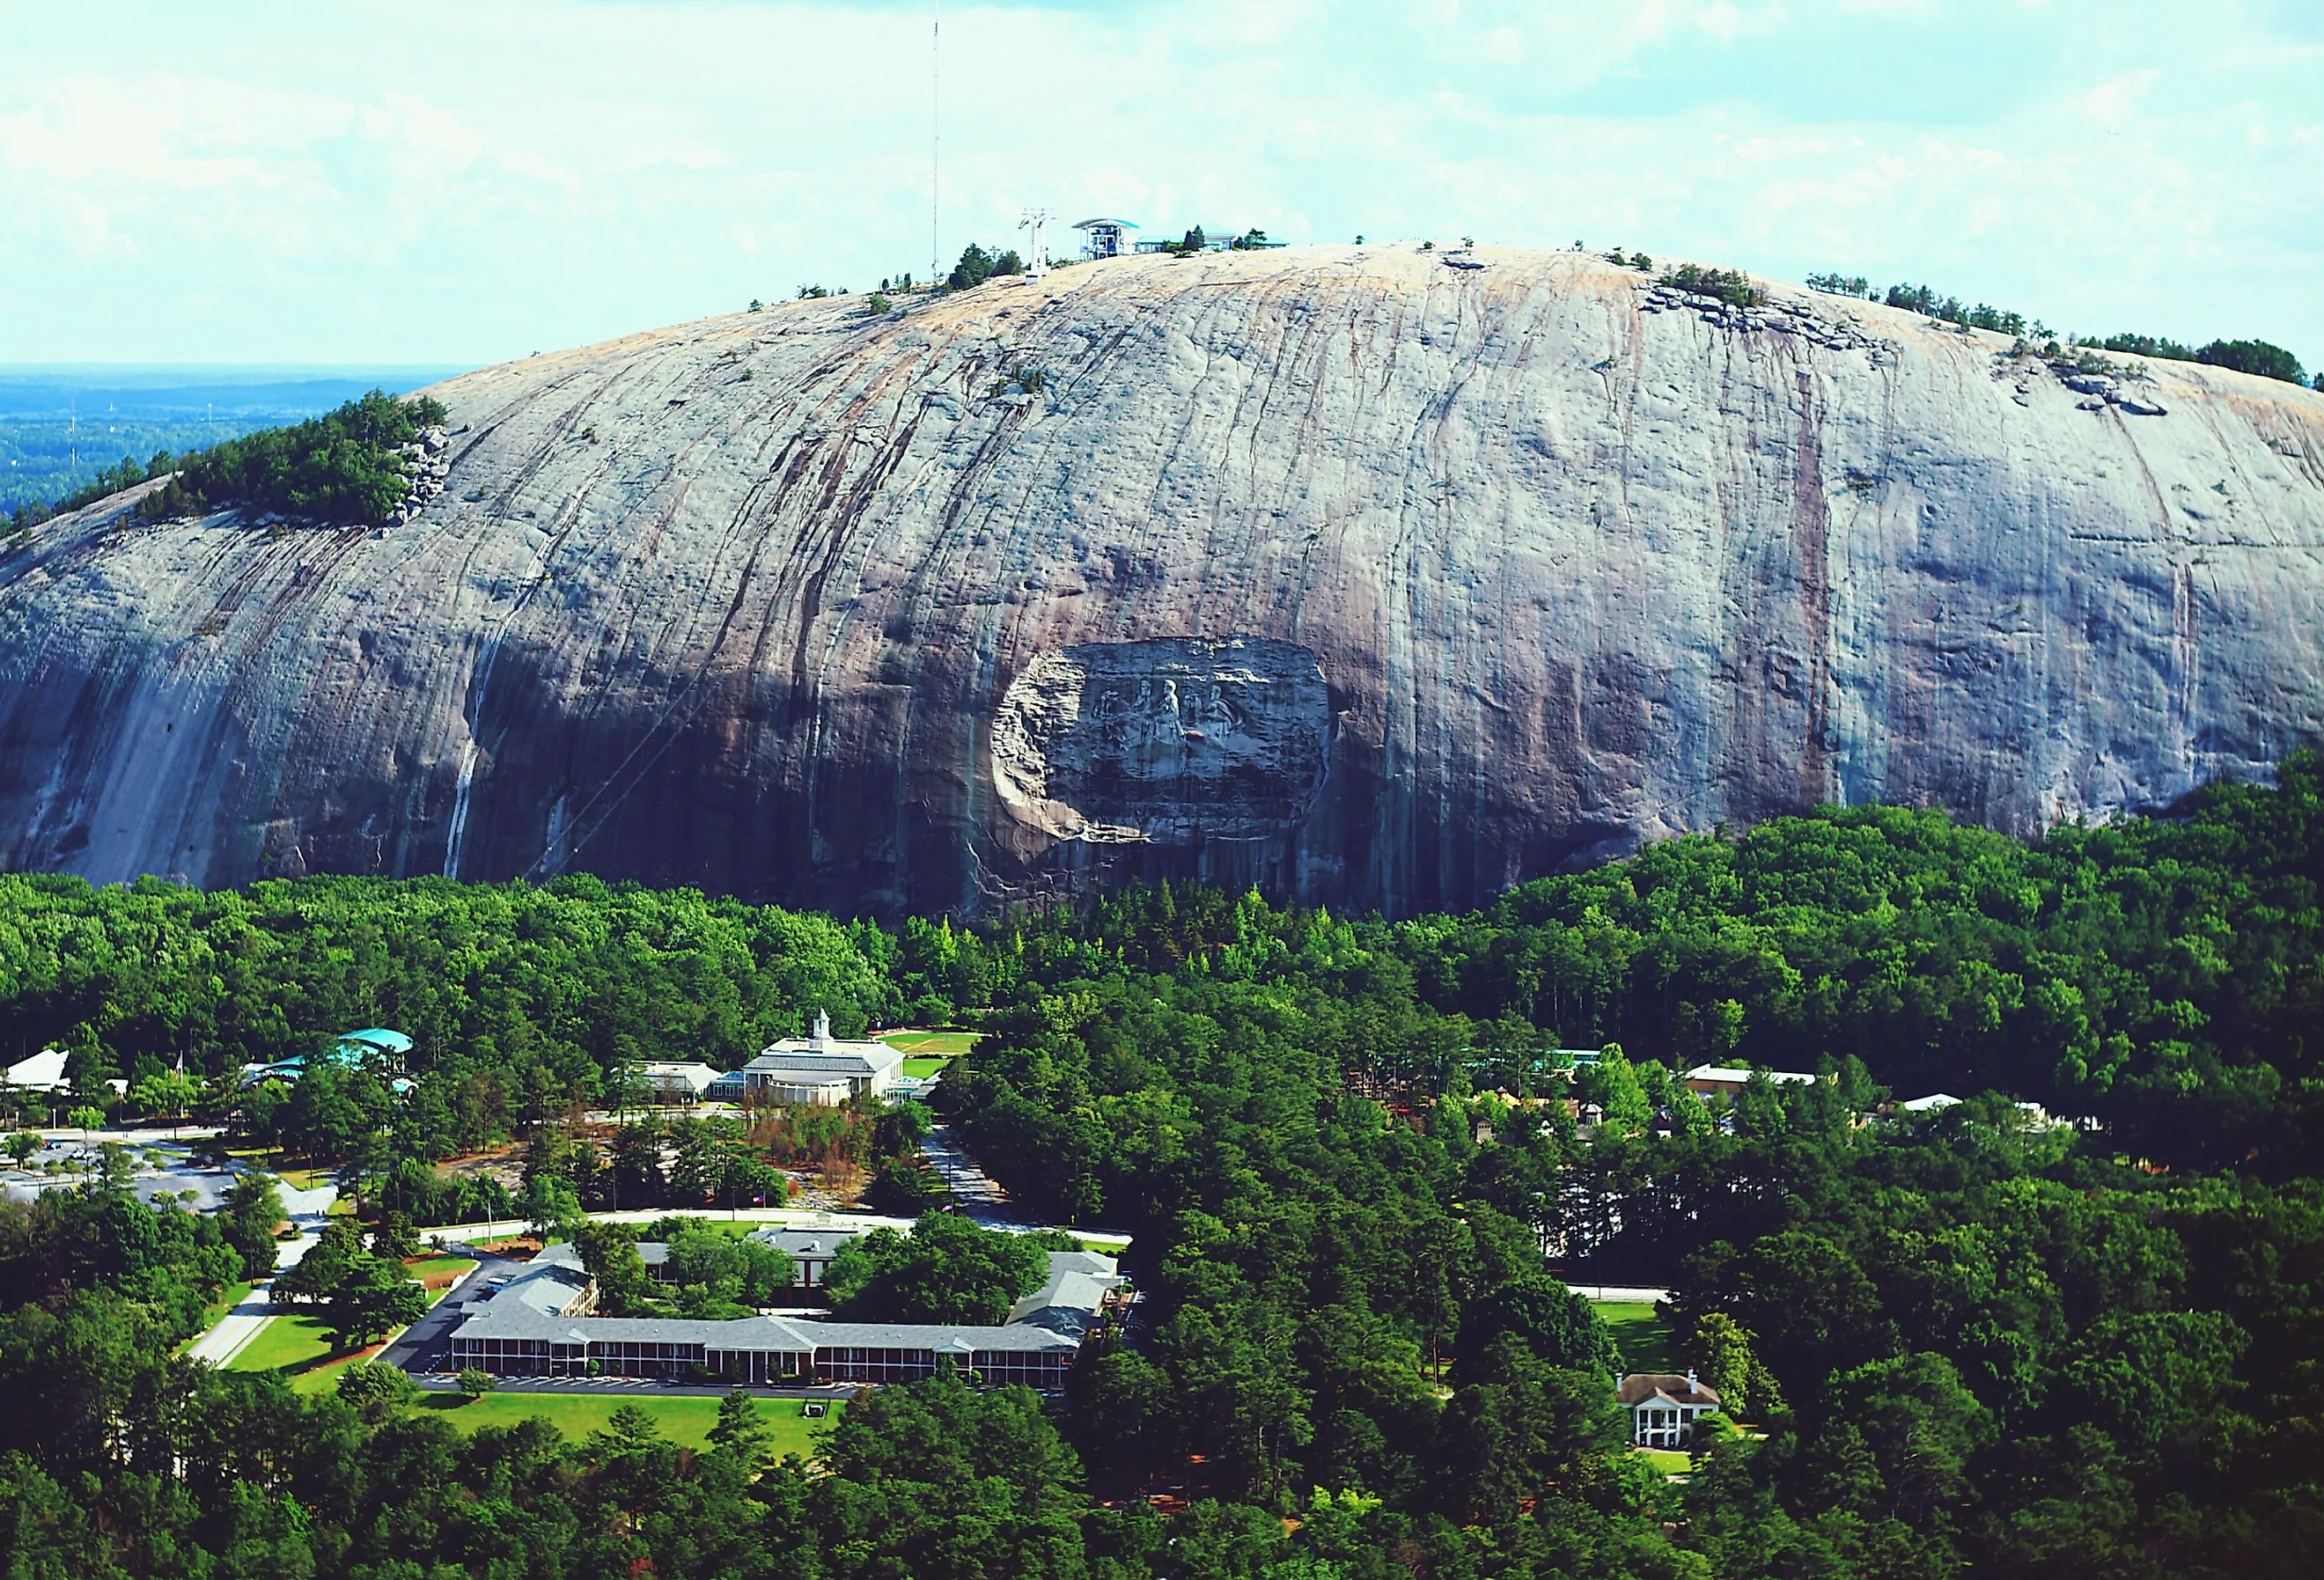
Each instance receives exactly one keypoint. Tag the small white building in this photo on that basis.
(672, 1081)
(43, 1072)
(1105, 238)
(1665, 1406)
(1930, 1103)
(1727, 1080)
(821, 1068)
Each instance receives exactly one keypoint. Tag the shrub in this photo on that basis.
(375, 1389)
(2253, 357)
(475, 1382)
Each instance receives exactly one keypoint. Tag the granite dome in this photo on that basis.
(1371, 580)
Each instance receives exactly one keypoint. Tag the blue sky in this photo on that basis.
(289, 181)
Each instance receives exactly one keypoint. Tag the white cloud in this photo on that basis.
(2115, 105)
(491, 180)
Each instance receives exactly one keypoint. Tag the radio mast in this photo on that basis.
(936, 138)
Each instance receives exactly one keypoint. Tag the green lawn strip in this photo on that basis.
(933, 1044)
(1644, 1338)
(283, 1342)
(919, 1070)
(1669, 1461)
(684, 1418)
(704, 1218)
(322, 1376)
(437, 1266)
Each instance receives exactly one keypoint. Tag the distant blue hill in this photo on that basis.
(286, 390)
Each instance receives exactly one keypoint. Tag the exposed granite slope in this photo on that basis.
(1525, 562)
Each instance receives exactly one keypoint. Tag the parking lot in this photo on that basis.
(163, 1168)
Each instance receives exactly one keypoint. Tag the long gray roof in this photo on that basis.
(1053, 1319)
(514, 1320)
(807, 1241)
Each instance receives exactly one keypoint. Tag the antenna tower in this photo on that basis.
(935, 138)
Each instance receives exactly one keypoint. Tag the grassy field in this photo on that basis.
(284, 1342)
(438, 1272)
(920, 1070)
(1644, 1339)
(684, 1418)
(1669, 1461)
(930, 1044)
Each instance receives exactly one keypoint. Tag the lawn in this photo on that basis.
(684, 1418)
(1644, 1339)
(323, 1376)
(436, 1272)
(931, 1044)
(1669, 1461)
(920, 1070)
(284, 1342)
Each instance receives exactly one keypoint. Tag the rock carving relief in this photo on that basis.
(1173, 741)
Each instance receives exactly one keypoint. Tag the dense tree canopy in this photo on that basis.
(1357, 1171)
(343, 468)
(946, 1270)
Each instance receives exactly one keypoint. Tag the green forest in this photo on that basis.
(2087, 1340)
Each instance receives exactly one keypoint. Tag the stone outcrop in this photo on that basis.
(1373, 576)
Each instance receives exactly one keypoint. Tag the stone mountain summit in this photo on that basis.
(1374, 581)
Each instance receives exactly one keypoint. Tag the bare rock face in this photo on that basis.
(1372, 580)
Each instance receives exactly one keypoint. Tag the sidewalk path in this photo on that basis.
(235, 1330)
(307, 1210)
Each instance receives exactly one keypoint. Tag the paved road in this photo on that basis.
(979, 1194)
(422, 1346)
(307, 1210)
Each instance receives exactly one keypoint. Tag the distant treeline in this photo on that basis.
(123, 474)
(2253, 357)
(2159, 975)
